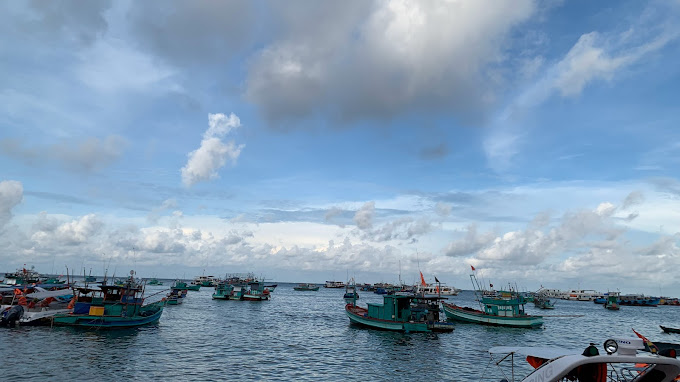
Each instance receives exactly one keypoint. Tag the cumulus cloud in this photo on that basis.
(634, 198)
(11, 194)
(88, 155)
(213, 154)
(364, 216)
(470, 244)
(70, 233)
(576, 230)
(442, 209)
(375, 60)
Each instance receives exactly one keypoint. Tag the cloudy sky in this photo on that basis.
(309, 141)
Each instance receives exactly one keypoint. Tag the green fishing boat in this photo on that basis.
(155, 282)
(306, 287)
(498, 308)
(223, 291)
(400, 313)
(612, 302)
(182, 285)
(111, 306)
(176, 296)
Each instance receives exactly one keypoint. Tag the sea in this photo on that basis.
(304, 336)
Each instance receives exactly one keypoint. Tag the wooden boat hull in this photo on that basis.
(220, 296)
(457, 313)
(359, 316)
(114, 322)
(306, 289)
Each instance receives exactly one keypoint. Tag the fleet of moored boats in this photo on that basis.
(29, 298)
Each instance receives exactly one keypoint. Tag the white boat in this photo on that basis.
(583, 295)
(431, 289)
(334, 284)
(206, 281)
(617, 360)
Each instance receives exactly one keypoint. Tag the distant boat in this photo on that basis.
(542, 302)
(155, 281)
(205, 281)
(111, 306)
(334, 284)
(669, 330)
(90, 279)
(182, 285)
(306, 287)
(222, 291)
(500, 308)
(400, 313)
(256, 292)
(612, 302)
(23, 276)
(176, 296)
(435, 290)
(351, 294)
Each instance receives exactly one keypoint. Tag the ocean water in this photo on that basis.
(301, 336)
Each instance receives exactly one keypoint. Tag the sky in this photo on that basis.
(307, 141)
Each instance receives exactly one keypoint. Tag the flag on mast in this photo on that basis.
(422, 279)
(435, 279)
(473, 268)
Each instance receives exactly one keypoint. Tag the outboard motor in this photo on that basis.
(11, 316)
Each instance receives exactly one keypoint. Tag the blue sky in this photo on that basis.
(307, 141)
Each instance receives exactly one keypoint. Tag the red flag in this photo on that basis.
(473, 268)
(650, 344)
(422, 280)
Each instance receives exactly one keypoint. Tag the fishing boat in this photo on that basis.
(499, 308)
(111, 306)
(155, 281)
(400, 313)
(90, 279)
(616, 361)
(306, 287)
(23, 276)
(222, 291)
(183, 285)
(667, 329)
(612, 302)
(256, 292)
(351, 293)
(238, 292)
(334, 284)
(542, 302)
(176, 296)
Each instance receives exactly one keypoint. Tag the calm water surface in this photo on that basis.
(300, 336)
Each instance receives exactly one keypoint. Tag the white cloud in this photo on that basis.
(87, 155)
(364, 216)
(11, 194)
(375, 60)
(213, 154)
